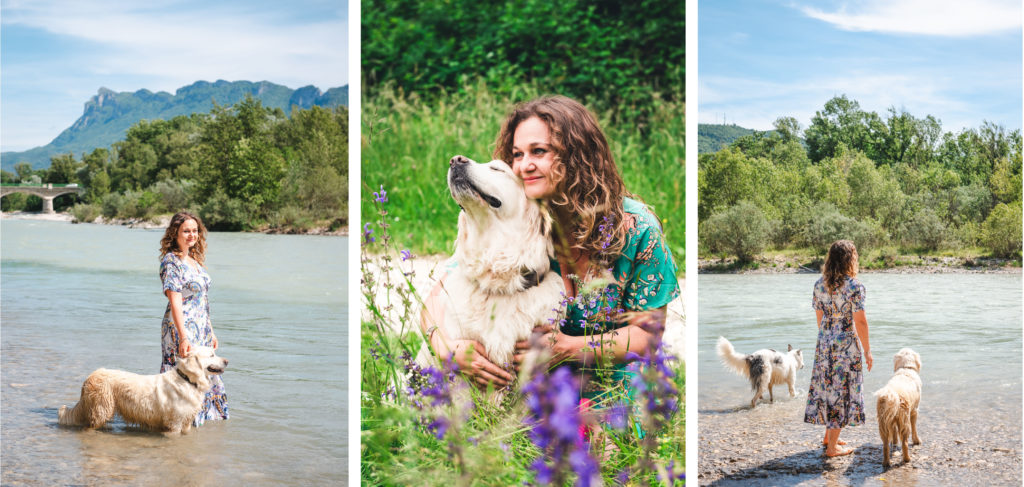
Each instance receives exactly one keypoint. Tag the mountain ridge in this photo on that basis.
(107, 116)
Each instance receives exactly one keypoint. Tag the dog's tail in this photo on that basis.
(737, 362)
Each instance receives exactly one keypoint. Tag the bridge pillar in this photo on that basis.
(48, 204)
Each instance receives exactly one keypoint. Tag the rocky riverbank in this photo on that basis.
(904, 264)
(770, 445)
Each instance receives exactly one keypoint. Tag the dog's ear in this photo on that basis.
(917, 360)
(790, 349)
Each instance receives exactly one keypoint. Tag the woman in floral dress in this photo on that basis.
(834, 398)
(186, 322)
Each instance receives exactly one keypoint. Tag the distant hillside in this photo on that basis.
(108, 115)
(714, 137)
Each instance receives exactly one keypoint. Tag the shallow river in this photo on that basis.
(967, 328)
(79, 297)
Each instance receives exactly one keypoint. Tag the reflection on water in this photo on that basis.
(79, 297)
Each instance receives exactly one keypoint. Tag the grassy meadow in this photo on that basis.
(407, 142)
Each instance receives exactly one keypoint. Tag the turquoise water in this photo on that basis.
(79, 297)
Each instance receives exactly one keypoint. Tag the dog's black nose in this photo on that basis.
(458, 160)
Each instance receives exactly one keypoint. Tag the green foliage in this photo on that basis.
(407, 142)
(825, 224)
(1001, 232)
(86, 212)
(623, 57)
(224, 213)
(741, 230)
(880, 181)
(924, 229)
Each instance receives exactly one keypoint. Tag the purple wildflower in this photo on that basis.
(617, 415)
(439, 426)
(554, 422)
(381, 197)
(406, 255)
(368, 234)
(671, 475)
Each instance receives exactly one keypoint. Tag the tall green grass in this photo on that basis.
(407, 143)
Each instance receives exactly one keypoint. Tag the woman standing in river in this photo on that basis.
(186, 322)
(834, 398)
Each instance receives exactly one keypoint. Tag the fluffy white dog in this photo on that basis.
(166, 402)
(503, 284)
(765, 368)
(898, 402)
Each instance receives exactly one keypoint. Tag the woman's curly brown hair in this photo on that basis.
(590, 189)
(841, 262)
(169, 242)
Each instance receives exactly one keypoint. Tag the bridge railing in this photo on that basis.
(39, 185)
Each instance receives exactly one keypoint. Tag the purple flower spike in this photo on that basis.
(406, 255)
(381, 197)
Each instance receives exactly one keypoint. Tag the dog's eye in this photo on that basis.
(496, 168)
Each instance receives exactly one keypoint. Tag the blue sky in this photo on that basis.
(56, 54)
(958, 60)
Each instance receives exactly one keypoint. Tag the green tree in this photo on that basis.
(741, 230)
(63, 169)
(1001, 232)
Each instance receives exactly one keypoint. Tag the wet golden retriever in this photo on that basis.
(166, 402)
(897, 404)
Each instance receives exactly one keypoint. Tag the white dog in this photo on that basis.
(166, 402)
(898, 402)
(503, 284)
(765, 368)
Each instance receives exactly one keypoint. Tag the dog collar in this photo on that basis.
(533, 278)
(183, 376)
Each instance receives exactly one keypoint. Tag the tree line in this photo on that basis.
(894, 181)
(238, 167)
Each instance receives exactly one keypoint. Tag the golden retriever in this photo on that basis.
(502, 285)
(166, 402)
(898, 402)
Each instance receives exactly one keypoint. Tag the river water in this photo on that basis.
(966, 327)
(79, 297)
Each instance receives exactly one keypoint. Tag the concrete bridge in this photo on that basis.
(46, 191)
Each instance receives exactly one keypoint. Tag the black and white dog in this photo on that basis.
(765, 368)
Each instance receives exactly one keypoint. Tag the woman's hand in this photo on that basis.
(868, 359)
(564, 348)
(468, 354)
(213, 337)
(184, 348)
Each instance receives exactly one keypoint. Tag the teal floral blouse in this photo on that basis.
(644, 277)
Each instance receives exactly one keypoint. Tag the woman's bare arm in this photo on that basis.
(860, 322)
(468, 354)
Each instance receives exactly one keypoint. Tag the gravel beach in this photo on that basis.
(771, 445)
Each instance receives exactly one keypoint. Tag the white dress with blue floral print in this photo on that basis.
(193, 283)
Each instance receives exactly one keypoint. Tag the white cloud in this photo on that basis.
(176, 46)
(954, 18)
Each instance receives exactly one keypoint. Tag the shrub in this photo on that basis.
(825, 224)
(86, 212)
(221, 212)
(173, 196)
(112, 204)
(741, 230)
(1001, 231)
(924, 229)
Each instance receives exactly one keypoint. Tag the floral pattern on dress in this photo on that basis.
(834, 398)
(644, 274)
(193, 283)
